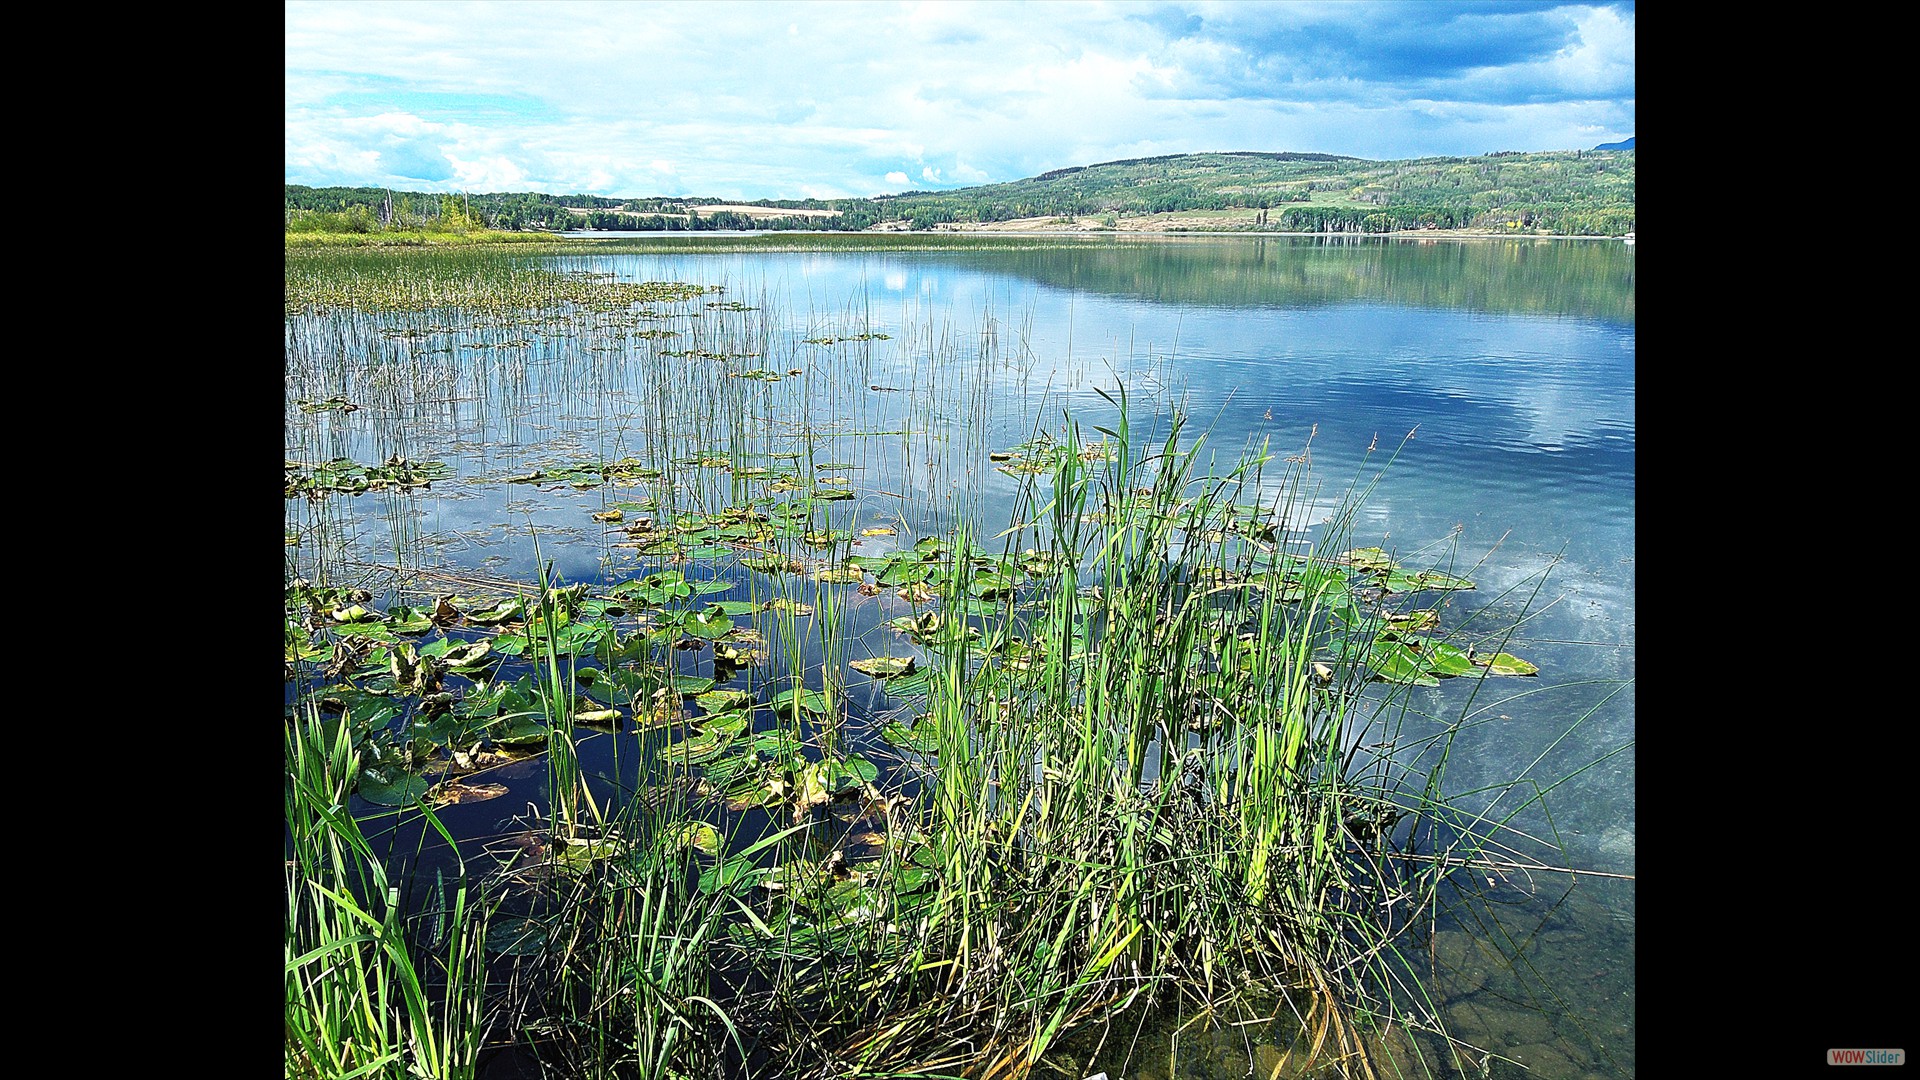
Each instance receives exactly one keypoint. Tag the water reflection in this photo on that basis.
(1485, 391)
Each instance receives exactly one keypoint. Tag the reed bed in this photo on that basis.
(1113, 756)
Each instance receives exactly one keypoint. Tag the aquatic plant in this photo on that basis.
(1110, 756)
(370, 991)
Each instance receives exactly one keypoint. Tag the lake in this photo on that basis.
(1479, 394)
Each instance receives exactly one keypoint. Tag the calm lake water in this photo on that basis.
(1496, 377)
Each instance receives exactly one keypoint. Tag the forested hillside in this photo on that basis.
(1573, 192)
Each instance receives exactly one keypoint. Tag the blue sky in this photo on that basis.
(773, 99)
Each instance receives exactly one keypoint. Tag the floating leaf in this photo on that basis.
(409, 620)
(1433, 579)
(699, 748)
(466, 656)
(720, 701)
(690, 685)
(697, 835)
(851, 774)
(392, 787)
(787, 701)
(710, 624)
(518, 729)
(579, 853)
(922, 738)
(513, 608)
(990, 586)
(771, 564)
(1371, 558)
(1400, 581)
(1413, 621)
(909, 878)
(1394, 662)
(883, 667)
(453, 791)
(914, 682)
(1505, 664)
(1442, 659)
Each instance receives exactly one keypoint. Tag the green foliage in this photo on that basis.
(369, 991)
(1573, 193)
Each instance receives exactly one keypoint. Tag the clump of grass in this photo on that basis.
(1136, 775)
(366, 994)
(622, 983)
(1134, 785)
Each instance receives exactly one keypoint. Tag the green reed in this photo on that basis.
(1144, 764)
(366, 993)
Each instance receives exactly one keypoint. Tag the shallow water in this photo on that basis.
(1497, 377)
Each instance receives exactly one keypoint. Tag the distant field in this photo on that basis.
(764, 211)
(713, 208)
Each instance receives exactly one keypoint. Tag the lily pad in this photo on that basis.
(388, 786)
(453, 791)
(1395, 662)
(1401, 581)
(1444, 660)
(579, 853)
(720, 701)
(883, 667)
(711, 623)
(787, 701)
(922, 738)
(1370, 558)
(699, 748)
(598, 718)
(913, 682)
(1506, 664)
(519, 729)
(697, 835)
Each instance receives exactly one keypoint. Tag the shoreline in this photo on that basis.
(1402, 234)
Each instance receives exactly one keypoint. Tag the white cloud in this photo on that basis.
(594, 96)
(1602, 62)
(489, 174)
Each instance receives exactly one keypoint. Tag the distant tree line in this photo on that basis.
(367, 209)
(1579, 193)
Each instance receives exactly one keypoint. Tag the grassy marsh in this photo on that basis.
(917, 776)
